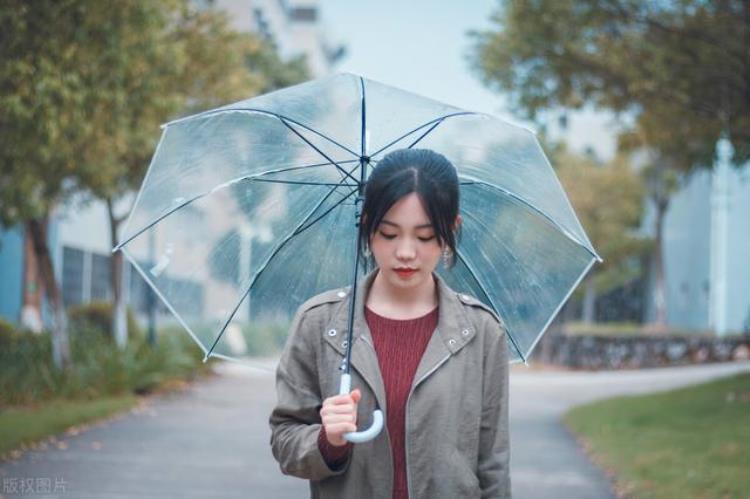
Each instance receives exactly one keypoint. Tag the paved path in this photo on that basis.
(212, 440)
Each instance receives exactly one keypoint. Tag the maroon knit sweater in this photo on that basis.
(399, 345)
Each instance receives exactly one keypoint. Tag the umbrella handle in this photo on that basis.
(358, 437)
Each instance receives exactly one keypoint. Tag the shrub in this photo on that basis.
(7, 332)
(99, 367)
(97, 315)
(26, 372)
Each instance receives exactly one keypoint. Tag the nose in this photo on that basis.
(406, 250)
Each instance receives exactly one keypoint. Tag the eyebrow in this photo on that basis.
(423, 226)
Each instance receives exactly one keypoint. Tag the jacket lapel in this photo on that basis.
(364, 357)
(446, 339)
(452, 333)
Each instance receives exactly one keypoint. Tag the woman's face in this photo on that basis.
(404, 244)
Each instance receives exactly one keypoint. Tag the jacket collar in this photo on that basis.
(454, 330)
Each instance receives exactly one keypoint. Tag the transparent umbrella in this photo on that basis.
(250, 209)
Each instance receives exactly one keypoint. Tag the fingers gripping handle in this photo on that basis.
(377, 417)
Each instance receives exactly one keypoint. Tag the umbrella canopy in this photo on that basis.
(250, 209)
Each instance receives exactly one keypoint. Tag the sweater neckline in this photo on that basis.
(415, 319)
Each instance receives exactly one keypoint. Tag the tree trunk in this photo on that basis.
(31, 308)
(119, 312)
(660, 300)
(60, 341)
(589, 302)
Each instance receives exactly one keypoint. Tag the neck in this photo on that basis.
(382, 294)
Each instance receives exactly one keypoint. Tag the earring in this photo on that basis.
(366, 252)
(447, 253)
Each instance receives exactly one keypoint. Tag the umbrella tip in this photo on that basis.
(205, 358)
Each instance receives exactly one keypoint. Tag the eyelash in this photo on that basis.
(392, 236)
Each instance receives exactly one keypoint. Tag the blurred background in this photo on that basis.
(654, 168)
(643, 109)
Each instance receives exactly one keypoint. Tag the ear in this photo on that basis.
(457, 223)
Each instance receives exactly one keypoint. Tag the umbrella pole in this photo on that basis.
(346, 378)
(346, 363)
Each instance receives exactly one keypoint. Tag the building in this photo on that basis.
(293, 27)
(707, 250)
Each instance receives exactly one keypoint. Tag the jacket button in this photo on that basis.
(465, 332)
(451, 342)
(344, 344)
(332, 332)
(341, 294)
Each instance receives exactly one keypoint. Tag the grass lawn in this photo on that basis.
(26, 425)
(688, 443)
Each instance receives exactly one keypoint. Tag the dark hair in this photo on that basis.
(402, 172)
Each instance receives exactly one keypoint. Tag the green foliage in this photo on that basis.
(677, 66)
(87, 84)
(264, 339)
(97, 316)
(26, 372)
(25, 425)
(608, 199)
(690, 442)
(7, 332)
(260, 339)
(99, 367)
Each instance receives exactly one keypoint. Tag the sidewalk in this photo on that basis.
(212, 440)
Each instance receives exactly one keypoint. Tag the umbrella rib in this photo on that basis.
(296, 182)
(163, 298)
(217, 188)
(562, 303)
(544, 215)
(338, 167)
(265, 263)
(424, 134)
(339, 202)
(363, 129)
(489, 298)
(260, 111)
(439, 119)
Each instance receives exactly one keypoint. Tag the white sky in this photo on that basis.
(421, 46)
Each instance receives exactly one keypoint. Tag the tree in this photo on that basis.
(41, 130)
(85, 86)
(168, 59)
(608, 199)
(680, 68)
(160, 60)
(132, 61)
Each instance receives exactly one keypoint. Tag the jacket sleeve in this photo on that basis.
(494, 442)
(295, 421)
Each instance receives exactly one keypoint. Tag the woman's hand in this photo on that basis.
(339, 416)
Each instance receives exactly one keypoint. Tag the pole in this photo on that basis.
(719, 237)
(150, 295)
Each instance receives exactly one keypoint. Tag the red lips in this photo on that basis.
(405, 272)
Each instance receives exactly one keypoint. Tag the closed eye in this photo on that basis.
(393, 236)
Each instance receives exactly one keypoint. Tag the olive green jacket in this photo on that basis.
(457, 443)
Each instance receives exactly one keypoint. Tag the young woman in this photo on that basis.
(434, 360)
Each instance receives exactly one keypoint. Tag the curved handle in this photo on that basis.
(358, 437)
